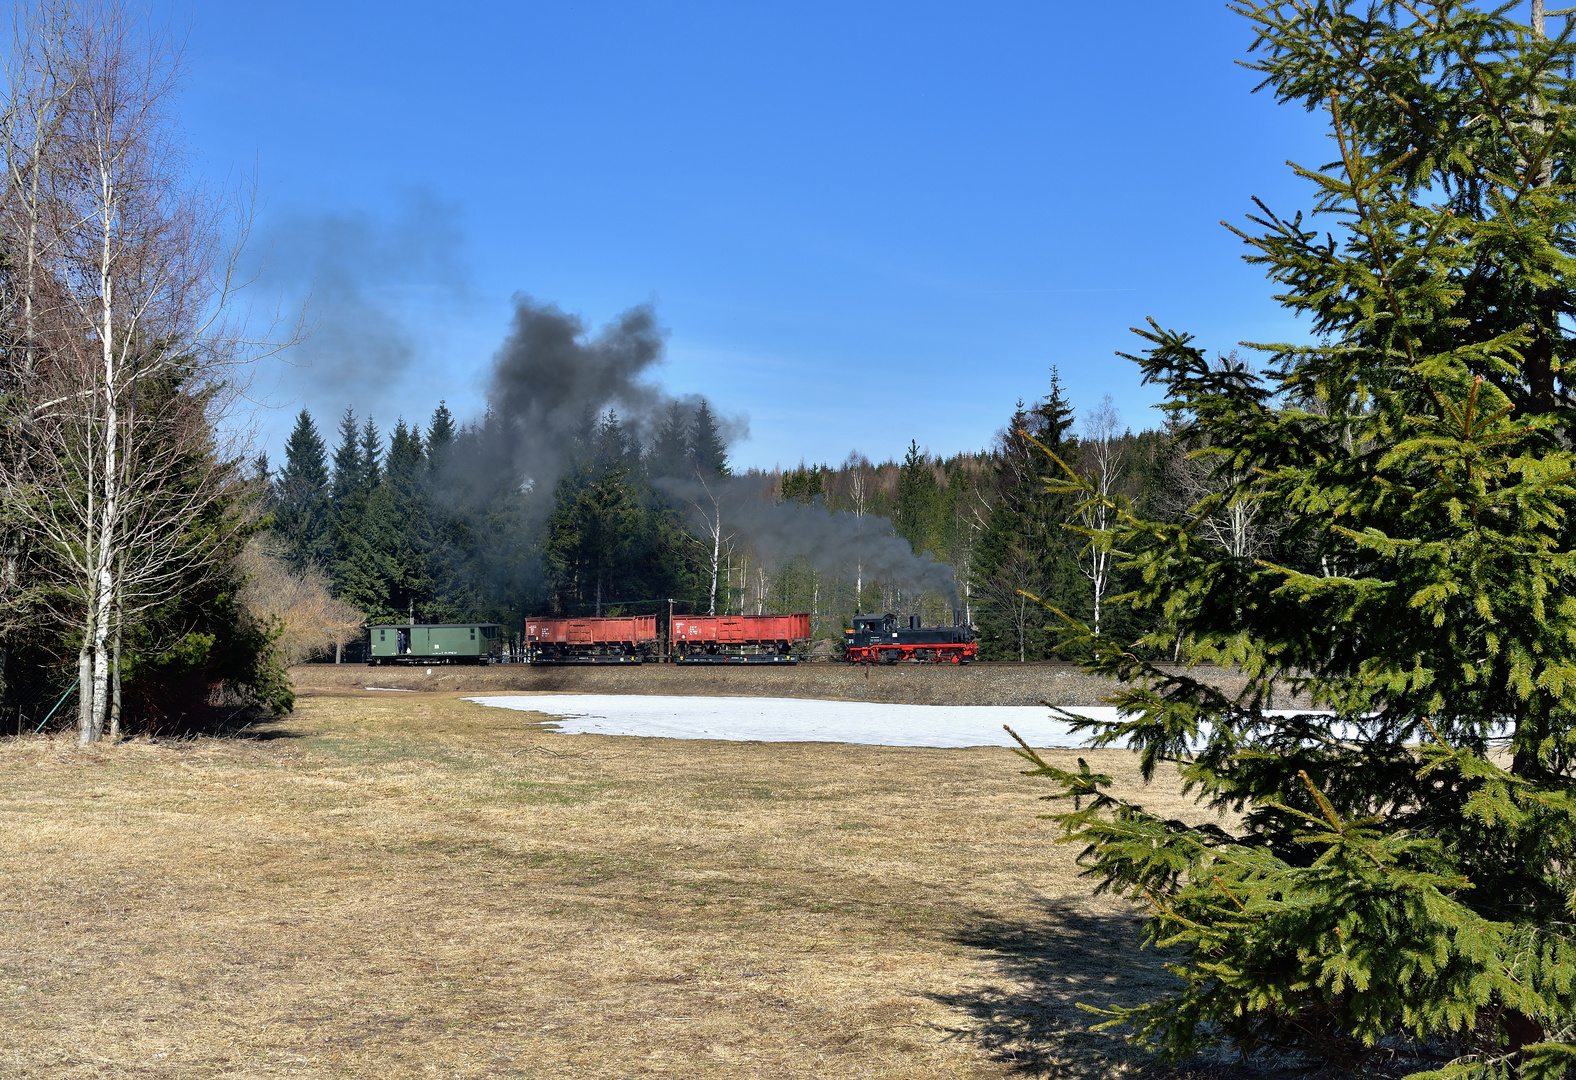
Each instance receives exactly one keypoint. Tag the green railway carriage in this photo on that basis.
(439, 643)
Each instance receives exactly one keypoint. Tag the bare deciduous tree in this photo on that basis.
(311, 619)
(116, 390)
(705, 497)
(1102, 451)
(1206, 483)
(1010, 593)
(861, 479)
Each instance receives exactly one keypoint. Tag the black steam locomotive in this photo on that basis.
(879, 639)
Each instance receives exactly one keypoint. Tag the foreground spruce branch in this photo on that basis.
(1398, 895)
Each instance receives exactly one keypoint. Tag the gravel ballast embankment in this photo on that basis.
(909, 684)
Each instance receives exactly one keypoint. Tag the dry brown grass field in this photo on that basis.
(409, 885)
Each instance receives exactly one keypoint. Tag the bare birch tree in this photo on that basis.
(1203, 480)
(1102, 452)
(971, 513)
(706, 499)
(127, 293)
(860, 483)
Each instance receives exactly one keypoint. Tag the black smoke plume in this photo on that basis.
(834, 543)
(550, 377)
(356, 275)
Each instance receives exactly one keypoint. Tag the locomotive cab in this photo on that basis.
(870, 629)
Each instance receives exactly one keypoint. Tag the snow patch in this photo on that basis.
(757, 719)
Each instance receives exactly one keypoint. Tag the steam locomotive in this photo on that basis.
(878, 639)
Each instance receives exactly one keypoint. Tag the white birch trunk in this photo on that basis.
(716, 566)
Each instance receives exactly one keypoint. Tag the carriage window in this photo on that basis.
(473, 633)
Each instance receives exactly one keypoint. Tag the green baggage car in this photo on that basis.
(439, 643)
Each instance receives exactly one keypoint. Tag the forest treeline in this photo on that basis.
(424, 523)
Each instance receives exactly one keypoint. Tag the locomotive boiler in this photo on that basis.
(881, 639)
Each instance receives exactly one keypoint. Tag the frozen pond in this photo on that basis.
(745, 719)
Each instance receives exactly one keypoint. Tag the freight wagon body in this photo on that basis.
(615, 640)
(439, 643)
(880, 639)
(737, 639)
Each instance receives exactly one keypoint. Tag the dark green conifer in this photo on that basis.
(347, 458)
(301, 493)
(670, 449)
(371, 448)
(708, 453)
(440, 435)
(1393, 883)
(917, 498)
(804, 484)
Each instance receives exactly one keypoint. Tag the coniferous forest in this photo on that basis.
(420, 522)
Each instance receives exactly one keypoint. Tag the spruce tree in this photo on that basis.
(670, 449)
(440, 435)
(301, 507)
(707, 451)
(357, 567)
(347, 458)
(1395, 884)
(1024, 546)
(917, 496)
(404, 532)
(599, 536)
(804, 484)
(371, 447)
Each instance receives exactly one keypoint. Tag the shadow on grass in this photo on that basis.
(246, 724)
(1045, 967)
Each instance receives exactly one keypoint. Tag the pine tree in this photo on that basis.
(707, 451)
(1398, 889)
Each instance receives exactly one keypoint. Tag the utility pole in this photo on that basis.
(667, 646)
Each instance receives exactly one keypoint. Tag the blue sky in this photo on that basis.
(861, 223)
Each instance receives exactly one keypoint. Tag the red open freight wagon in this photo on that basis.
(736, 639)
(618, 640)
